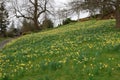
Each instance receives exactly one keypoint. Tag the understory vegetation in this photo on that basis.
(1, 39)
(77, 51)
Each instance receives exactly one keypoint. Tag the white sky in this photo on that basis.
(60, 4)
(61, 1)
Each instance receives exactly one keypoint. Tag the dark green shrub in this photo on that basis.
(47, 23)
(67, 21)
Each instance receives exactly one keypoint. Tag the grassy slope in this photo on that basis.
(78, 51)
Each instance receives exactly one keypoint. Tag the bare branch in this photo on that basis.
(31, 2)
(32, 10)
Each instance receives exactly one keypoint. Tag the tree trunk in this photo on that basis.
(117, 15)
(35, 15)
(36, 24)
(78, 16)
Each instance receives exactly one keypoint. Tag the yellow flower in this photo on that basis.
(105, 65)
(100, 63)
(118, 65)
(112, 68)
(15, 70)
(22, 64)
(84, 66)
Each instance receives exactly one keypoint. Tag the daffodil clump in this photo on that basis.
(77, 51)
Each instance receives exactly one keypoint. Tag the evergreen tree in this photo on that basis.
(27, 26)
(47, 23)
(3, 19)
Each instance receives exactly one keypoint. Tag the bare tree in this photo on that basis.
(94, 6)
(31, 9)
(115, 4)
(76, 6)
(62, 14)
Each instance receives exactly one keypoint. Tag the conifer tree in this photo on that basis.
(3, 19)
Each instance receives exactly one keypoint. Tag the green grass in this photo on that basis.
(78, 51)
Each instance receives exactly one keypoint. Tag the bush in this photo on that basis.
(13, 32)
(47, 23)
(27, 27)
(67, 21)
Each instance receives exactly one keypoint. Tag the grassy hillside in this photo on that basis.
(78, 51)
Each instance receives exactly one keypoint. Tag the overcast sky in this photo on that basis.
(61, 1)
(60, 4)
